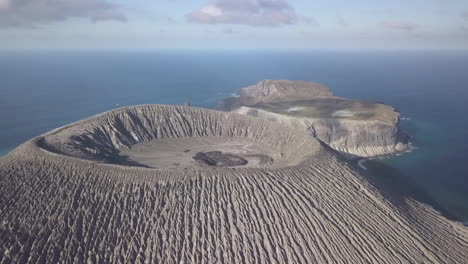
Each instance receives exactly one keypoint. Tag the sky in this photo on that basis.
(233, 24)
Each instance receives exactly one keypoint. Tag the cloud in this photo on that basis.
(229, 31)
(30, 13)
(247, 12)
(464, 14)
(309, 21)
(399, 25)
(4, 4)
(342, 22)
(109, 16)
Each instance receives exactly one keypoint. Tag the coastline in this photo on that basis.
(362, 160)
(4, 152)
(389, 178)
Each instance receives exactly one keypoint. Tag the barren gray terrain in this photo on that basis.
(180, 153)
(355, 128)
(350, 136)
(72, 196)
(273, 91)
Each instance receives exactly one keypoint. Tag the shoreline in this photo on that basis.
(362, 160)
(4, 152)
(404, 185)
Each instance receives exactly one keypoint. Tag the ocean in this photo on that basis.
(40, 91)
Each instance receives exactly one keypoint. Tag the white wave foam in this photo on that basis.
(361, 164)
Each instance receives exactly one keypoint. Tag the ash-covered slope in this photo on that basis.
(59, 205)
(363, 137)
(102, 137)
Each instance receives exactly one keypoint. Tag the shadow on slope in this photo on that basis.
(395, 186)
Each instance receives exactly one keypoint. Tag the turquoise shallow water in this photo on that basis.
(42, 91)
(4, 151)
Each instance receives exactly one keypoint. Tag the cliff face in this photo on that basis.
(62, 202)
(362, 138)
(369, 137)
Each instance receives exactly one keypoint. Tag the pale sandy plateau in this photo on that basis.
(354, 128)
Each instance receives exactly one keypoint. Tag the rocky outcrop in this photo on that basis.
(274, 90)
(58, 204)
(218, 158)
(356, 138)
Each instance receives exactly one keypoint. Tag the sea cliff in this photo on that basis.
(354, 128)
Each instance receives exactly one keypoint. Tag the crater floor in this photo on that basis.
(181, 153)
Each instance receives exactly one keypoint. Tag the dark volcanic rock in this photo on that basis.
(217, 158)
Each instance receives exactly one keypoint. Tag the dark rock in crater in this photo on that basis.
(220, 159)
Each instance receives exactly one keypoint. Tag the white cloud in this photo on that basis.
(464, 14)
(342, 22)
(247, 12)
(212, 10)
(399, 25)
(4, 4)
(30, 13)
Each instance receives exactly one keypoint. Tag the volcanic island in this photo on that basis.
(270, 179)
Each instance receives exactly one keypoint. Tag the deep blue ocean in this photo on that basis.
(40, 91)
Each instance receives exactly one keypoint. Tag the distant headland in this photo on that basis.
(355, 128)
